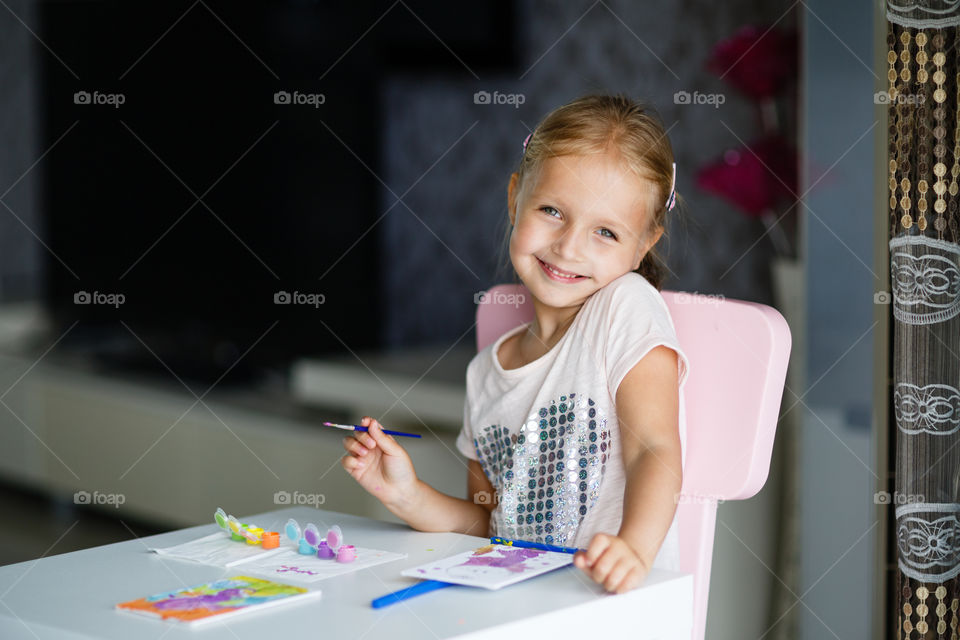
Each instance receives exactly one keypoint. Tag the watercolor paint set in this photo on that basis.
(308, 540)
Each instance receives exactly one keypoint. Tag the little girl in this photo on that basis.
(573, 424)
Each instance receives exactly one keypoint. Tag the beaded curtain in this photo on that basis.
(924, 164)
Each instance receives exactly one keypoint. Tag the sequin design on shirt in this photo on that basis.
(494, 447)
(548, 476)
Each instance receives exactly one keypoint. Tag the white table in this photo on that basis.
(72, 595)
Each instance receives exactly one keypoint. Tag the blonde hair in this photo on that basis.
(596, 124)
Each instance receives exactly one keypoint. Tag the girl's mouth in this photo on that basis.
(555, 273)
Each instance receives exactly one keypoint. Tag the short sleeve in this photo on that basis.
(465, 438)
(634, 353)
(638, 321)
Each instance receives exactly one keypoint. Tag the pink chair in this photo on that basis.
(738, 353)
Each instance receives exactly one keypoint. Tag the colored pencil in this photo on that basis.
(356, 427)
(425, 586)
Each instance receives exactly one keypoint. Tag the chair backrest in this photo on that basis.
(738, 353)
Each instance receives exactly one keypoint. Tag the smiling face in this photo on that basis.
(583, 222)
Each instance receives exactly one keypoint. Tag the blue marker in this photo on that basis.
(421, 587)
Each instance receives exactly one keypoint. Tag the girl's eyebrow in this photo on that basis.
(543, 197)
(613, 224)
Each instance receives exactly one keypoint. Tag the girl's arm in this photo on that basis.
(382, 467)
(648, 410)
(430, 510)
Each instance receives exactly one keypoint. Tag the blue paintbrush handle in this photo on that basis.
(389, 432)
(533, 545)
(421, 587)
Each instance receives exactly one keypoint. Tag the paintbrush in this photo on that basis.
(356, 427)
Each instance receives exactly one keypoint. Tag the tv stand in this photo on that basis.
(67, 426)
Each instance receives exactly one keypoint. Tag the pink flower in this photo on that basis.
(756, 61)
(753, 178)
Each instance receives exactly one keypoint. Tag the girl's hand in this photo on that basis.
(379, 464)
(612, 562)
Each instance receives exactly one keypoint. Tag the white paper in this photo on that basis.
(217, 549)
(290, 566)
(492, 566)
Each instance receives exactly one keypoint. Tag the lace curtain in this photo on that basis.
(923, 168)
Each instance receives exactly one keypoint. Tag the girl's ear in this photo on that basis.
(512, 198)
(651, 241)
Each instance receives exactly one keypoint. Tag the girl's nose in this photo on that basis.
(567, 244)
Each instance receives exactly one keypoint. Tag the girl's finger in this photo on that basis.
(363, 436)
(631, 580)
(615, 577)
(602, 566)
(349, 463)
(598, 544)
(386, 442)
(354, 447)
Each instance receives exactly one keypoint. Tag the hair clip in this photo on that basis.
(527, 140)
(672, 198)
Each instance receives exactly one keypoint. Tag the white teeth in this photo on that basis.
(552, 270)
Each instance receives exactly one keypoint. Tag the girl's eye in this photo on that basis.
(548, 210)
(610, 234)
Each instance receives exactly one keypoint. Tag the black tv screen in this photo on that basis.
(210, 185)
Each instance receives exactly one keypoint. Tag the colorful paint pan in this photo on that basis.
(334, 538)
(220, 517)
(292, 529)
(270, 540)
(312, 535)
(346, 553)
(235, 528)
(305, 548)
(253, 535)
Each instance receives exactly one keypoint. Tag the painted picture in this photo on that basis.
(492, 566)
(217, 600)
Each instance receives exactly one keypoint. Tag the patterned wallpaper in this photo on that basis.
(441, 245)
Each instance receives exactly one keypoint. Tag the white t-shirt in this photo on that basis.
(547, 433)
